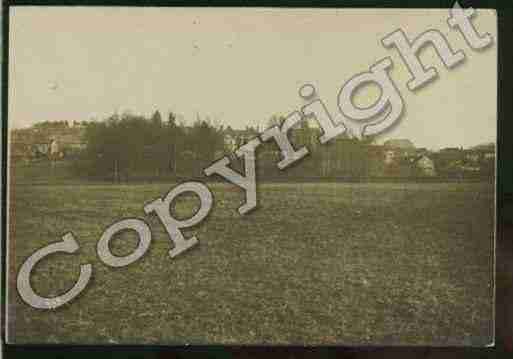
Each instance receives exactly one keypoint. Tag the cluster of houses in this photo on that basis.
(346, 157)
(58, 140)
(402, 158)
(402, 152)
(343, 156)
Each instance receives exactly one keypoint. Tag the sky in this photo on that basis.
(240, 66)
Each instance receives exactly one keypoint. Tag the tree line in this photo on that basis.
(127, 146)
(131, 147)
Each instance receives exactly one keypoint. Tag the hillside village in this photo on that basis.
(343, 157)
(36, 142)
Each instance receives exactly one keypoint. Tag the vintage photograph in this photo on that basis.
(251, 176)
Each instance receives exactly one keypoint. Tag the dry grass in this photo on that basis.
(314, 263)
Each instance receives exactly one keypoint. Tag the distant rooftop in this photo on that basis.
(400, 143)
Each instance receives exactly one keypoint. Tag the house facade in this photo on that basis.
(425, 166)
(33, 143)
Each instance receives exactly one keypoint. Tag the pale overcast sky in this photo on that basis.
(239, 66)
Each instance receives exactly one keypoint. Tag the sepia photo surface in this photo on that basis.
(251, 176)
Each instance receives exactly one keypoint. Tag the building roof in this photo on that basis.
(484, 146)
(33, 136)
(399, 143)
(418, 158)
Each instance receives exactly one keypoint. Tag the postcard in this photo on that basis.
(251, 176)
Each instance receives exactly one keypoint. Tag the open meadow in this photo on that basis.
(330, 263)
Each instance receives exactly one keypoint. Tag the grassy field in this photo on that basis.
(314, 263)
